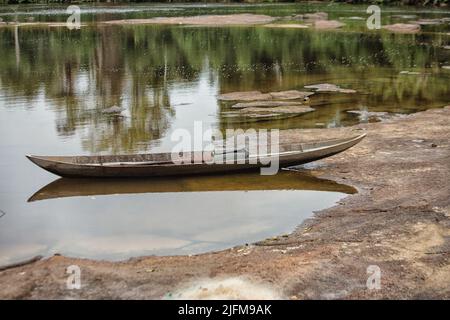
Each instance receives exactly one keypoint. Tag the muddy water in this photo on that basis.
(54, 84)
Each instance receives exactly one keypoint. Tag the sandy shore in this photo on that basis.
(399, 221)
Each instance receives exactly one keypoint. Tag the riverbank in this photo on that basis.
(399, 221)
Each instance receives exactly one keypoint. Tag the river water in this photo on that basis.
(54, 84)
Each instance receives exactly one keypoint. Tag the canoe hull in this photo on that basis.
(62, 167)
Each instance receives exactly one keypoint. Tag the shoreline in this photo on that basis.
(228, 20)
(399, 221)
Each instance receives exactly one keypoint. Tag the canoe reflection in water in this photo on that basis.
(284, 180)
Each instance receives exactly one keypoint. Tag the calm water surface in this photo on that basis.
(54, 84)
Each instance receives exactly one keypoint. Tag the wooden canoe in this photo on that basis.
(161, 164)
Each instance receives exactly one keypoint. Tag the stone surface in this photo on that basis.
(328, 24)
(231, 19)
(258, 95)
(328, 87)
(291, 95)
(402, 28)
(263, 104)
(265, 113)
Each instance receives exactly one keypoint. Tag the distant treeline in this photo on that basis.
(394, 2)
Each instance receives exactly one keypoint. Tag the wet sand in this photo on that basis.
(399, 221)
